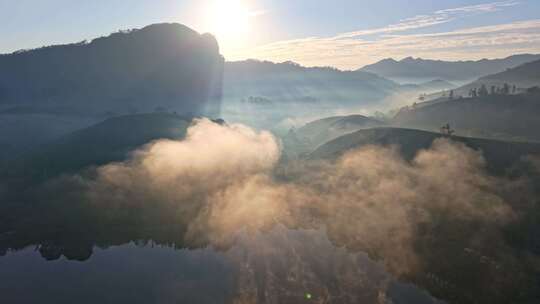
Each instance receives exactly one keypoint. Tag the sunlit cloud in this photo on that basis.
(485, 7)
(352, 50)
(438, 17)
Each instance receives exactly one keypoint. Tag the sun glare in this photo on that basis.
(229, 20)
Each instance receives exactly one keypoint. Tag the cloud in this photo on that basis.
(485, 7)
(407, 24)
(438, 17)
(352, 50)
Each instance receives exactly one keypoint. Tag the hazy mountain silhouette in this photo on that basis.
(290, 82)
(497, 116)
(411, 68)
(164, 65)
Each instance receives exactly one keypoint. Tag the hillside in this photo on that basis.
(165, 66)
(318, 132)
(524, 76)
(500, 155)
(108, 141)
(421, 69)
(512, 117)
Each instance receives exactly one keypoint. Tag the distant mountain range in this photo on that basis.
(289, 82)
(418, 69)
(167, 66)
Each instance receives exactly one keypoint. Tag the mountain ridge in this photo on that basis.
(418, 68)
(168, 63)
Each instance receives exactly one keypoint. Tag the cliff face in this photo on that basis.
(161, 66)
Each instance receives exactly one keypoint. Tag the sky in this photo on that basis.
(346, 34)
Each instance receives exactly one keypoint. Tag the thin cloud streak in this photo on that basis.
(438, 17)
(485, 7)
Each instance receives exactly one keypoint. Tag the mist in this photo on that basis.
(224, 179)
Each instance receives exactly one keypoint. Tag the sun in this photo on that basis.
(229, 20)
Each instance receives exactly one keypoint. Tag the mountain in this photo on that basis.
(421, 69)
(289, 82)
(168, 66)
(512, 117)
(310, 136)
(500, 155)
(49, 92)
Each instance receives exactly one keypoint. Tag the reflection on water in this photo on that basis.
(279, 266)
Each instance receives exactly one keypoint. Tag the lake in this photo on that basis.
(277, 266)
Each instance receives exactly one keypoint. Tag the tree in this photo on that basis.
(483, 91)
(533, 90)
(446, 130)
(506, 89)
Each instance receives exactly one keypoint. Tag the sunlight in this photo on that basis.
(229, 20)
